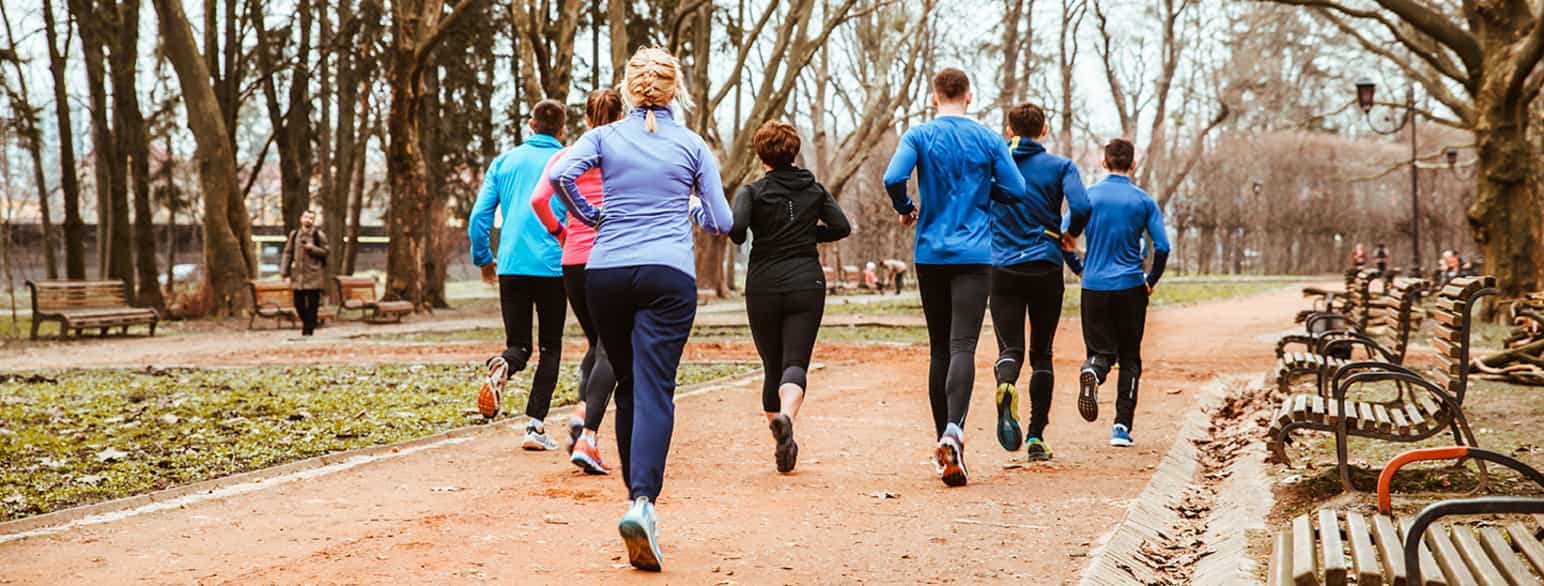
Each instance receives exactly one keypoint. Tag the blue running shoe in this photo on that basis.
(1121, 437)
(639, 534)
(1009, 434)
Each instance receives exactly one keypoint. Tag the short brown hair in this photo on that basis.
(951, 84)
(777, 143)
(1120, 154)
(1026, 120)
(603, 107)
(548, 117)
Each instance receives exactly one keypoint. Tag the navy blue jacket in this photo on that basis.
(1027, 230)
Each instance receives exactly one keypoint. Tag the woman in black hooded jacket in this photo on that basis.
(785, 289)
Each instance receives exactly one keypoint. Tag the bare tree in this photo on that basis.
(1072, 13)
(74, 227)
(27, 125)
(547, 50)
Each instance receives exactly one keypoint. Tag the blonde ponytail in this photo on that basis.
(654, 79)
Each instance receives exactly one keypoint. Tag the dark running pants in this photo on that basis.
(596, 379)
(1113, 322)
(518, 295)
(784, 326)
(643, 315)
(307, 302)
(954, 303)
(1033, 289)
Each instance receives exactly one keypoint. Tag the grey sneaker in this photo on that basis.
(536, 440)
(640, 535)
(1088, 394)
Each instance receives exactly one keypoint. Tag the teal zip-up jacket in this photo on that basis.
(525, 247)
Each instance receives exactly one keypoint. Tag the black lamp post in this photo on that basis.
(1365, 90)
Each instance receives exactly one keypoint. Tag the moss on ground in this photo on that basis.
(76, 437)
(1177, 293)
(828, 333)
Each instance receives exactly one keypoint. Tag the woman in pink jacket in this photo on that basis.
(596, 379)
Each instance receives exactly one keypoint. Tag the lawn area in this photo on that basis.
(69, 438)
(863, 333)
(1176, 293)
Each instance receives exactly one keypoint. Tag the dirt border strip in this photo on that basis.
(254, 480)
(1118, 561)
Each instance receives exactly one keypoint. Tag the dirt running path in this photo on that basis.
(726, 516)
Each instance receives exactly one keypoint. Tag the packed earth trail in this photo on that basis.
(864, 504)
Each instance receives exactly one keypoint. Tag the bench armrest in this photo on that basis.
(1485, 505)
(1385, 478)
(1350, 339)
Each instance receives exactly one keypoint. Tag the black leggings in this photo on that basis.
(1113, 322)
(954, 302)
(596, 379)
(1034, 289)
(784, 326)
(307, 302)
(517, 295)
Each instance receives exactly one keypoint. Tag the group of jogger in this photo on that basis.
(605, 225)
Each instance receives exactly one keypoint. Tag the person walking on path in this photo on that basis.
(596, 379)
(304, 263)
(528, 269)
(1115, 290)
(1380, 255)
(896, 268)
(785, 290)
(659, 177)
(1027, 250)
(961, 166)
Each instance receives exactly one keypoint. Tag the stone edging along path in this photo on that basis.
(254, 480)
(1189, 524)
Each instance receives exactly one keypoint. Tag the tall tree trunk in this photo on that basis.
(74, 227)
(27, 122)
(1010, 71)
(432, 139)
(617, 16)
(1509, 234)
(357, 183)
(335, 204)
(229, 258)
(134, 144)
(113, 239)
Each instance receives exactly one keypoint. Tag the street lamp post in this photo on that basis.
(1365, 89)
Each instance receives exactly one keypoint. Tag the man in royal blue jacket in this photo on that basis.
(528, 268)
(961, 167)
(1115, 289)
(1027, 275)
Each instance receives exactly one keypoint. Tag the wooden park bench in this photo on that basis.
(1324, 300)
(1385, 337)
(86, 305)
(1351, 314)
(1330, 546)
(358, 294)
(275, 299)
(1422, 408)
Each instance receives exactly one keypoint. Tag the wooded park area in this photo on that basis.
(123, 121)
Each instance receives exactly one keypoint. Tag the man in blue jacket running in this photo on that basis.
(1115, 289)
(528, 267)
(1027, 276)
(961, 166)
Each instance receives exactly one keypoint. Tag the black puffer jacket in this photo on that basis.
(789, 212)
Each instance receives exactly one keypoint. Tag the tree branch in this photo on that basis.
(1433, 86)
(427, 44)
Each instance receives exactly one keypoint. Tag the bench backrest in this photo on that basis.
(55, 296)
(1397, 315)
(272, 293)
(1359, 297)
(1454, 315)
(356, 289)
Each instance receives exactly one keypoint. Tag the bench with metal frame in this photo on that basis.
(358, 294)
(1351, 314)
(86, 305)
(276, 299)
(1385, 337)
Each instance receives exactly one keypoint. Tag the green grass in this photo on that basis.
(829, 333)
(75, 437)
(1166, 294)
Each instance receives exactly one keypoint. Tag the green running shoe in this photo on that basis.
(1009, 434)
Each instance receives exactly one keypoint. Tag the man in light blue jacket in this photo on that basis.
(528, 268)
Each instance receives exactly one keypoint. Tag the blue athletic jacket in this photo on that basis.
(958, 163)
(525, 247)
(1027, 230)
(1114, 258)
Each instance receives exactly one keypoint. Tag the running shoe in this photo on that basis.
(489, 398)
(1009, 434)
(575, 427)
(950, 456)
(586, 456)
(787, 449)
(1037, 449)
(1088, 394)
(536, 439)
(1121, 437)
(640, 535)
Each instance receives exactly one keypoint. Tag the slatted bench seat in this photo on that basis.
(78, 306)
(1352, 314)
(1385, 337)
(1426, 406)
(275, 299)
(358, 294)
(1339, 547)
(1324, 300)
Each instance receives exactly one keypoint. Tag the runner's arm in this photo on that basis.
(833, 224)
(564, 177)
(481, 222)
(1078, 207)
(542, 203)
(712, 214)
(1007, 182)
(899, 172)
(1160, 242)
(742, 215)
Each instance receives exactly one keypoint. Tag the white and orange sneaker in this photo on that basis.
(950, 456)
(587, 457)
(492, 392)
(536, 439)
(575, 426)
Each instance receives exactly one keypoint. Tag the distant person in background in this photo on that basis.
(528, 269)
(304, 263)
(870, 278)
(1358, 256)
(789, 212)
(897, 270)
(1381, 256)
